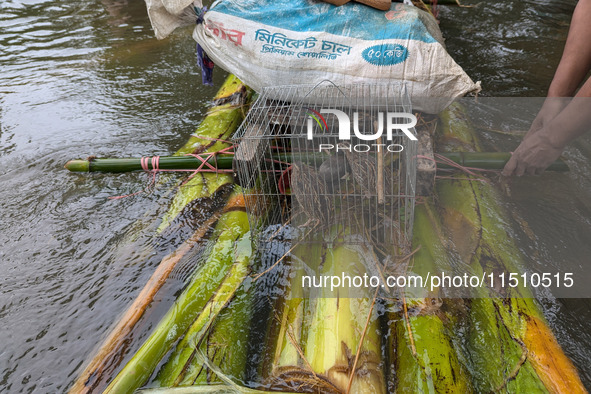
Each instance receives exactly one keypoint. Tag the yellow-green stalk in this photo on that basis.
(344, 332)
(218, 126)
(321, 340)
(509, 342)
(426, 358)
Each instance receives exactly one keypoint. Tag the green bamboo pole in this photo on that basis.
(232, 248)
(509, 341)
(134, 164)
(482, 160)
(426, 359)
(489, 161)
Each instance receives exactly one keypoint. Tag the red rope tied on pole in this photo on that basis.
(154, 161)
(152, 164)
(211, 155)
(146, 163)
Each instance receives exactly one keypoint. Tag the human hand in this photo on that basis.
(533, 155)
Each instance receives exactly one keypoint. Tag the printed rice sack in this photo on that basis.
(271, 42)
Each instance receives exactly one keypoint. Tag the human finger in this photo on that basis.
(531, 170)
(510, 166)
(520, 168)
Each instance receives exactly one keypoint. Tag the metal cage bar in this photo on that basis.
(291, 177)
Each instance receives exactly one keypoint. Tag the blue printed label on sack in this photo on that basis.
(385, 54)
(279, 43)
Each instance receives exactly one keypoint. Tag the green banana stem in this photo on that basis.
(509, 342)
(226, 344)
(218, 127)
(175, 373)
(344, 336)
(321, 337)
(288, 331)
(426, 359)
(232, 240)
(219, 332)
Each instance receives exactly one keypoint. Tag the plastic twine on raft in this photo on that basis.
(205, 166)
(203, 61)
(473, 171)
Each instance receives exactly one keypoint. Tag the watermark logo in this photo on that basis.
(344, 122)
(392, 124)
(320, 121)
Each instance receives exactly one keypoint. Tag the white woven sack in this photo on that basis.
(274, 42)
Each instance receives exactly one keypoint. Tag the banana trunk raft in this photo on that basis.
(218, 126)
(330, 342)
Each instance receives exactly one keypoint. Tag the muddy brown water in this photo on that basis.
(87, 77)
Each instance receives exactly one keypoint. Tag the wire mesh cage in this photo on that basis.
(332, 159)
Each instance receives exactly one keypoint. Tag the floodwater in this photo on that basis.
(81, 78)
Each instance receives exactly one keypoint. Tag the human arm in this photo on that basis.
(560, 120)
(541, 148)
(576, 57)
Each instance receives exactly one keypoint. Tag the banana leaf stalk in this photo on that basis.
(211, 283)
(425, 357)
(296, 307)
(509, 342)
(482, 160)
(221, 329)
(212, 135)
(225, 345)
(327, 341)
(344, 335)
